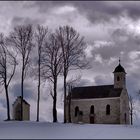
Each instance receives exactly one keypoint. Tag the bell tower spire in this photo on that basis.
(119, 76)
(119, 60)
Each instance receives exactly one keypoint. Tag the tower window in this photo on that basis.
(118, 78)
(92, 109)
(108, 110)
(76, 111)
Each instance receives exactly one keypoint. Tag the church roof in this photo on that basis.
(119, 68)
(19, 97)
(88, 92)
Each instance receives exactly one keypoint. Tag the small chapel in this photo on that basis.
(102, 104)
(17, 109)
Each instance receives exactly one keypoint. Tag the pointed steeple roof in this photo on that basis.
(119, 68)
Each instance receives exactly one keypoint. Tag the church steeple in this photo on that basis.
(119, 60)
(119, 76)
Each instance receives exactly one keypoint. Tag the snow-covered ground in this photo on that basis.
(44, 130)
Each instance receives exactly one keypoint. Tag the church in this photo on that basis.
(102, 104)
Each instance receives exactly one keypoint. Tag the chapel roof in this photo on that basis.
(89, 92)
(19, 97)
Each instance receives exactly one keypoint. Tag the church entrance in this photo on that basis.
(91, 119)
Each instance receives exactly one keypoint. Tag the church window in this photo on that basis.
(108, 110)
(118, 78)
(76, 111)
(125, 118)
(92, 109)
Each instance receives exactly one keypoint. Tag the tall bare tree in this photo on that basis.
(21, 39)
(7, 69)
(131, 103)
(40, 37)
(73, 47)
(51, 60)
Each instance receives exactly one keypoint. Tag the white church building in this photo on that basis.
(103, 104)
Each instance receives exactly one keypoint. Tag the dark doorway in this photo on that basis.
(92, 114)
(91, 119)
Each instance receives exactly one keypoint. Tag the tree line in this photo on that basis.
(58, 52)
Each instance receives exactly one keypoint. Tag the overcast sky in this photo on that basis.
(111, 30)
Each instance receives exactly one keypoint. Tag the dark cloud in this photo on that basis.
(105, 10)
(102, 80)
(3, 103)
(28, 93)
(121, 42)
(98, 11)
(84, 82)
(25, 21)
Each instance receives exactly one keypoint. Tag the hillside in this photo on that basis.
(44, 130)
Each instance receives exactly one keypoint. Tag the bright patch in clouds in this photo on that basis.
(134, 54)
(63, 10)
(98, 58)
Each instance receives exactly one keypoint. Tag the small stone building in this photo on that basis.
(17, 109)
(103, 104)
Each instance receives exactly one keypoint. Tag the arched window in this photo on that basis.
(125, 118)
(76, 111)
(92, 109)
(108, 110)
(118, 78)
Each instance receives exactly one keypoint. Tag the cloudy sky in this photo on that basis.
(111, 30)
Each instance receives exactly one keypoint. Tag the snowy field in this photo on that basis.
(44, 130)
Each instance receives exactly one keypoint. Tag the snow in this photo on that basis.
(45, 130)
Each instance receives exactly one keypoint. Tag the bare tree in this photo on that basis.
(51, 61)
(70, 84)
(7, 68)
(21, 39)
(131, 101)
(40, 37)
(73, 47)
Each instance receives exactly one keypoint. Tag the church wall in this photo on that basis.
(124, 107)
(99, 110)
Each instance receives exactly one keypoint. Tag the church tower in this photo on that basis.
(119, 77)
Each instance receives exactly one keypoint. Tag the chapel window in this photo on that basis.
(108, 110)
(125, 118)
(92, 109)
(76, 111)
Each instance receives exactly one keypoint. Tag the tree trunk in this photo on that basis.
(65, 88)
(131, 114)
(38, 103)
(38, 90)
(69, 105)
(7, 99)
(54, 101)
(22, 80)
